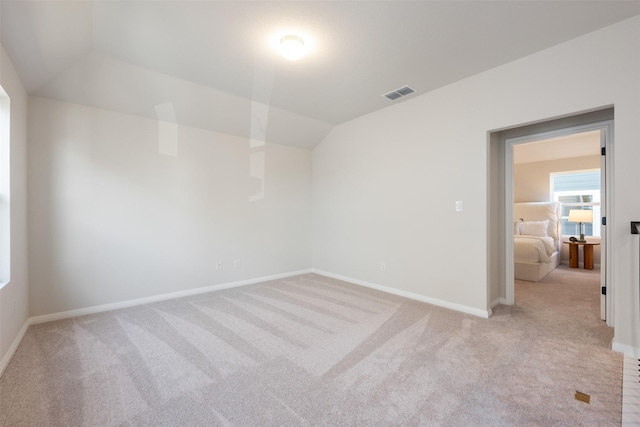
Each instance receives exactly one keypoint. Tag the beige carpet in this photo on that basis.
(315, 351)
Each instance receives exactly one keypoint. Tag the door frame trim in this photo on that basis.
(605, 127)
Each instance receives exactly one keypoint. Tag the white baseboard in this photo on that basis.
(156, 298)
(626, 349)
(14, 346)
(434, 301)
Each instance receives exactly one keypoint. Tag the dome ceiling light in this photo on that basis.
(292, 47)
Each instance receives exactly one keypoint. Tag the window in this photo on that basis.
(578, 190)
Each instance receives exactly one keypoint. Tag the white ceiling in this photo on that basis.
(576, 145)
(214, 60)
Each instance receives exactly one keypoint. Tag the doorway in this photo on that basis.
(500, 269)
(567, 169)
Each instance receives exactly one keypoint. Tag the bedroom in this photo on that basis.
(564, 169)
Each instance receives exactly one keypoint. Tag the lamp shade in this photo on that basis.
(580, 215)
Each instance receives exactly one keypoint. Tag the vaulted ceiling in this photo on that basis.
(212, 64)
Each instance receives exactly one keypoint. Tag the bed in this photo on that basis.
(536, 239)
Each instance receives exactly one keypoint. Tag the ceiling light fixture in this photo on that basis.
(292, 47)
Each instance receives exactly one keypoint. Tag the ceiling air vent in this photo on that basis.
(392, 95)
(399, 93)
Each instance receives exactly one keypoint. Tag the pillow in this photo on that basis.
(516, 228)
(539, 211)
(534, 228)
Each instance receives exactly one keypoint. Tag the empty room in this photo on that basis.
(304, 213)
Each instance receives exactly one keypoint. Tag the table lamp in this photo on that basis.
(580, 216)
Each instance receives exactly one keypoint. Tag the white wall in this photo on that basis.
(14, 296)
(531, 180)
(113, 219)
(385, 185)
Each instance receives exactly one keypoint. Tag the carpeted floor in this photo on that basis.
(310, 350)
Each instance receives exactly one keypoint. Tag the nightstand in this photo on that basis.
(574, 262)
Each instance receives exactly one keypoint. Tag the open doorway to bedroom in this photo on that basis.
(559, 189)
(557, 193)
(500, 215)
(564, 170)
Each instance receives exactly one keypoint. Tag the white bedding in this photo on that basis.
(533, 249)
(535, 257)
